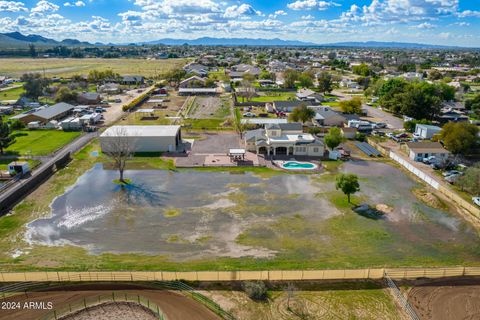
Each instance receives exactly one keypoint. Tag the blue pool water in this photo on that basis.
(298, 165)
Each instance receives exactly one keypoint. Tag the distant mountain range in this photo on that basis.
(377, 44)
(207, 41)
(18, 40)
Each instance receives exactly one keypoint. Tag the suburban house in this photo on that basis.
(309, 96)
(110, 88)
(144, 138)
(325, 116)
(425, 131)
(196, 69)
(246, 68)
(421, 150)
(286, 106)
(192, 82)
(452, 115)
(89, 98)
(43, 116)
(133, 80)
(347, 83)
(284, 139)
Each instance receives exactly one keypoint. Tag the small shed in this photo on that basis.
(18, 167)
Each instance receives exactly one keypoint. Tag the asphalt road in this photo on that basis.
(392, 121)
(72, 147)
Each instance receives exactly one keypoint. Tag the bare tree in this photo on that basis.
(248, 87)
(118, 144)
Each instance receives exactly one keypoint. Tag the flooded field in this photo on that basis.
(192, 215)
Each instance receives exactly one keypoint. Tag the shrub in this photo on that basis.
(256, 290)
(360, 137)
(140, 99)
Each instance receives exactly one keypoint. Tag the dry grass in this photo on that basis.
(68, 67)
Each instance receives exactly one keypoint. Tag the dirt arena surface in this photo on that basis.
(117, 311)
(453, 299)
(174, 305)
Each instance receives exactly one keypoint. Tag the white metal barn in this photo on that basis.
(145, 138)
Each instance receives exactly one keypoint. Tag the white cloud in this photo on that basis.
(74, 4)
(241, 10)
(393, 11)
(45, 6)
(312, 4)
(469, 13)
(425, 25)
(12, 6)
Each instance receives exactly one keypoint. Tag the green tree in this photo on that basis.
(411, 125)
(362, 70)
(64, 94)
(459, 137)
(306, 79)
(290, 77)
(34, 85)
(302, 114)
(32, 50)
(407, 67)
(175, 76)
(435, 75)
(353, 106)
(333, 138)
(348, 183)
(473, 104)
(470, 181)
(325, 83)
(6, 135)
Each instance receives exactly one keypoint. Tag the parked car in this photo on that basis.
(401, 136)
(452, 178)
(390, 134)
(417, 136)
(476, 200)
(249, 115)
(99, 109)
(429, 160)
(450, 172)
(118, 100)
(380, 125)
(378, 133)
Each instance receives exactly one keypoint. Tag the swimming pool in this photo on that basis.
(295, 165)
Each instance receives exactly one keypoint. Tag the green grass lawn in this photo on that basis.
(12, 94)
(206, 124)
(274, 96)
(40, 142)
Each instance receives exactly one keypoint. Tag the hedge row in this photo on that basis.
(137, 101)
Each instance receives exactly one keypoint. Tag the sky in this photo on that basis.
(446, 22)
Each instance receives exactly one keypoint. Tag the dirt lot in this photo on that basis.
(313, 301)
(447, 299)
(117, 311)
(210, 107)
(217, 143)
(174, 305)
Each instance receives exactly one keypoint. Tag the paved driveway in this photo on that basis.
(217, 144)
(382, 116)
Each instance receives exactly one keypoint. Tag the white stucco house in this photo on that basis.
(417, 151)
(144, 138)
(284, 139)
